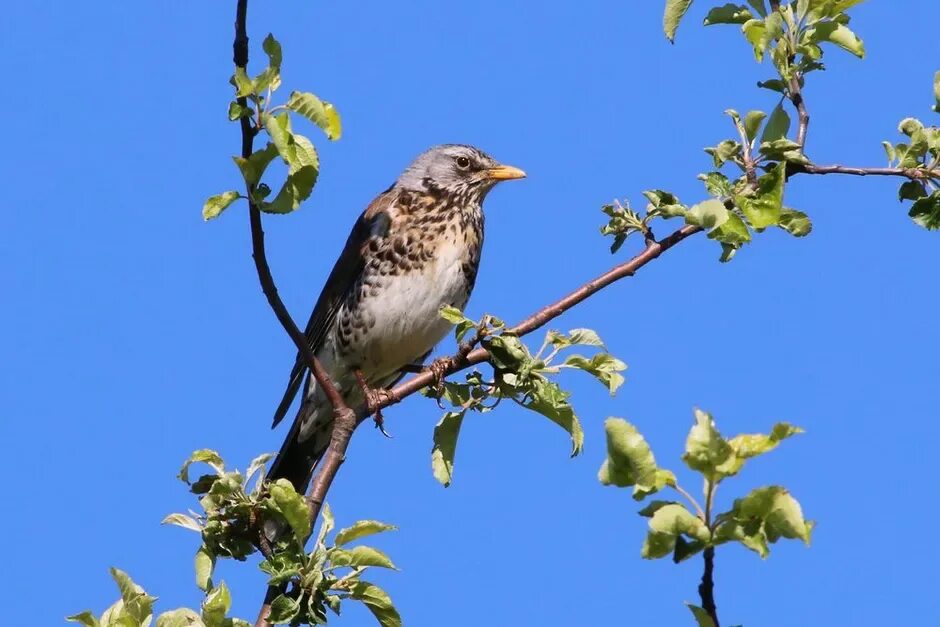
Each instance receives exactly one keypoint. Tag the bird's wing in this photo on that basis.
(373, 223)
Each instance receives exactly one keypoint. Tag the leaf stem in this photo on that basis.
(698, 508)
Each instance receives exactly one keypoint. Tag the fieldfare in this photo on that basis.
(414, 249)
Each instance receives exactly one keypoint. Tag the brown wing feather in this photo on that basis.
(373, 222)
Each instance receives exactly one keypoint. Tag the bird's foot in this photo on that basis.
(439, 368)
(375, 399)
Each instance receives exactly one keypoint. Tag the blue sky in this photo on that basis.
(135, 333)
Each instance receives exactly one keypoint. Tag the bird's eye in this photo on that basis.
(463, 163)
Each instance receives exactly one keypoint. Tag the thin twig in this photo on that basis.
(795, 90)
(706, 589)
(915, 174)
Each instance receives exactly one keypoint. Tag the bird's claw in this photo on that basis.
(439, 368)
(375, 398)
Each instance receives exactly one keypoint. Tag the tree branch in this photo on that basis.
(706, 589)
(914, 174)
(344, 418)
(540, 318)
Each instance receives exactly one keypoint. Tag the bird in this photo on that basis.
(415, 248)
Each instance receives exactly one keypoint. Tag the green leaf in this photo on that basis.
(663, 204)
(780, 513)
(456, 317)
(281, 568)
(136, 603)
(378, 602)
(926, 211)
(507, 352)
(243, 84)
(705, 449)
(732, 231)
(763, 209)
(630, 461)
(759, 7)
(360, 556)
(445, 446)
(296, 189)
(295, 150)
(717, 184)
(708, 214)
(546, 398)
(283, 610)
(272, 48)
(774, 84)
(215, 205)
(746, 446)
(257, 465)
(752, 122)
(686, 549)
(87, 618)
(911, 190)
(583, 337)
(724, 151)
(204, 563)
(675, 9)
(253, 167)
(237, 111)
(361, 529)
(206, 456)
(216, 605)
(755, 32)
(795, 222)
(293, 507)
(777, 126)
(320, 112)
(666, 524)
(605, 368)
(326, 525)
(182, 520)
(702, 619)
(180, 617)
(728, 14)
(838, 34)
(936, 91)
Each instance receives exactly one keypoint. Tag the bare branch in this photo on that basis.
(706, 589)
(915, 174)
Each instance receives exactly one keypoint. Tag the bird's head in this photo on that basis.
(456, 170)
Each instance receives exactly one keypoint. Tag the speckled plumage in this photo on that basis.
(414, 249)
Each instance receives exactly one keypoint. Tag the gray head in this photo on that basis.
(458, 170)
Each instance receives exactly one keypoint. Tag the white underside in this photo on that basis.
(407, 324)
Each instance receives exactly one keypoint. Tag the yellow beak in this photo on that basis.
(505, 173)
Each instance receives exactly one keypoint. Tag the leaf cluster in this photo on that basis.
(252, 103)
(239, 518)
(520, 376)
(756, 520)
(920, 154)
(135, 609)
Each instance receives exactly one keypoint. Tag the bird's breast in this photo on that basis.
(399, 308)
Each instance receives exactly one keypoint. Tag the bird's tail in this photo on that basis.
(299, 456)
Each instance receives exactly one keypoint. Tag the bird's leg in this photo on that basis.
(374, 399)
